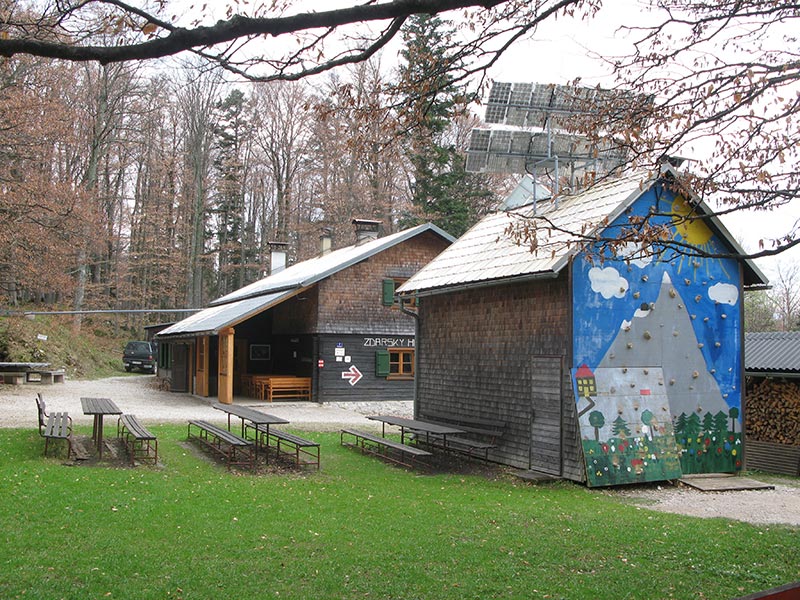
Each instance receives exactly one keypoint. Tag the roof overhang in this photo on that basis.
(213, 320)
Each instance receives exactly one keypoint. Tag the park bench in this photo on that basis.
(45, 377)
(54, 426)
(236, 450)
(301, 451)
(484, 433)
(14, 378)
(139, 441)
(383, 447)
(281, 387)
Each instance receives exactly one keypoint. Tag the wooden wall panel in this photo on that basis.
(475, 351)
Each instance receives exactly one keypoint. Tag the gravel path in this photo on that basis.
(139, 395)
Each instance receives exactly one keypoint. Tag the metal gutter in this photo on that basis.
(485, 283)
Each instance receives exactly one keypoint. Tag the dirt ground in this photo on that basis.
(140, 395)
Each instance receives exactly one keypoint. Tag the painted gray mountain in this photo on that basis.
(664, 337)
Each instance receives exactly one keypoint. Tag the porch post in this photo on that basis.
(225, 382)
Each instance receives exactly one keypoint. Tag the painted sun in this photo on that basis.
(693, 231)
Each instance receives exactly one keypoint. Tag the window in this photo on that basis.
(401, 363)
(389, 299)
(395, 363)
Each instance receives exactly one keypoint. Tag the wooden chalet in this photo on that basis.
(605, 368)
(325, 329)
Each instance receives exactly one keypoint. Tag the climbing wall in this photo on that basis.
(626, 425)
(642, 312)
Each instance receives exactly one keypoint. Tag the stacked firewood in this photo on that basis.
(773, 412)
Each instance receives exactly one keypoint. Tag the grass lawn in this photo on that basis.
(357, 529)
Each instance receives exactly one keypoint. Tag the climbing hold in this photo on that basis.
(695, 374)
(700, 344)
(636, 294)
(672, 293)
(647, 335)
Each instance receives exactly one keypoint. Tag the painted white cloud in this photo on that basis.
(633, 253)
(724, 293)
(608, 282)
(641, 314)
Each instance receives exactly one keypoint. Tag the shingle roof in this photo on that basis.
(486, 253)
(252, 299)
(772, 351)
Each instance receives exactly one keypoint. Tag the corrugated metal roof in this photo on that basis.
(486, 252)
(265, 293)
(309, 272)
(215, 318)
(772, 351)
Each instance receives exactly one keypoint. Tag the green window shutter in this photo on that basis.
(382, 363)
(388, 292)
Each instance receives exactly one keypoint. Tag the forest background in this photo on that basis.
(132, 187)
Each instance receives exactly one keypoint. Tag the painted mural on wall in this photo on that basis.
(628, 411)
(667, 316)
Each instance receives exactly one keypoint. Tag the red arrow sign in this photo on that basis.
(353, 374)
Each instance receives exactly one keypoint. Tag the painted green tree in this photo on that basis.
(720, 424)
(733, 413)
(596, 420)
(708, 422)
(620, 427)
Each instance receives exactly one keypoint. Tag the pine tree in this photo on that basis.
(441, 190)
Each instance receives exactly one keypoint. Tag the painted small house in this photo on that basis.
(333, 319)
(606, 368)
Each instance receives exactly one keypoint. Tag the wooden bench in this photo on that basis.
(138, 440)
(281, 387)
(14, 378)
(383, 447)
(301, 451)
(484, 434)
(45, 377)
(55, 426)
(236, 450)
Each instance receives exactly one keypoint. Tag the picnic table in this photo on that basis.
(256, 417)
(17, 372)
(416, 426)
(99, 407)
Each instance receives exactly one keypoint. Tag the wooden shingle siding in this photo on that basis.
(475, 358)
(351, 301)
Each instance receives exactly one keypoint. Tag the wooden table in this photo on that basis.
(17, 372)
(99, 407)
(427, 428)
(256, 417)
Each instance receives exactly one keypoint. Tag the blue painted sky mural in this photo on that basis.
(674, 312)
